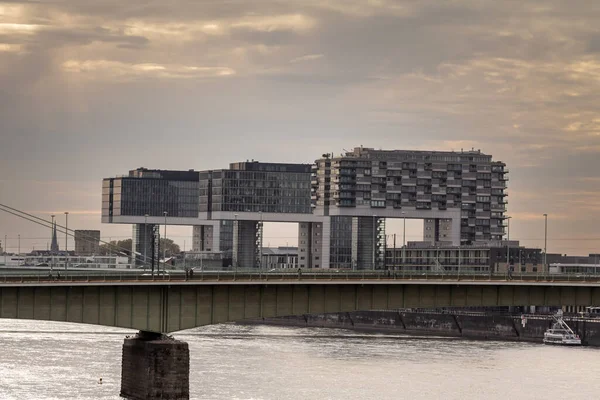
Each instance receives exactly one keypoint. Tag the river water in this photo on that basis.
(45, 360)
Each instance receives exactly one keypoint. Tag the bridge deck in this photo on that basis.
(172, 303)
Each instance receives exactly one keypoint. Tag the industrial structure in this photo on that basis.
(340, 204)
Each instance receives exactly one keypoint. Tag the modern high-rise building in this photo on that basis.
(246, 195)
(341, 203)
(459, 195)
(148, 198)
(87, 242)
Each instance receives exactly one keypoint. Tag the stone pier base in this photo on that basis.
(155, 367)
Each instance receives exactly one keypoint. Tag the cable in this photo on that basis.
(48, 224)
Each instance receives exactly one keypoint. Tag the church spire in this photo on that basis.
(54, 246)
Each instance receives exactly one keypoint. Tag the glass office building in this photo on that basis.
(151, 192)
(257, 187)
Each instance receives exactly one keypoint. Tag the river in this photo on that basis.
(46, 360)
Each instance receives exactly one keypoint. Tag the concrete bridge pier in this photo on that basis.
(155, 367)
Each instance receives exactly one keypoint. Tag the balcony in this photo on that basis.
(394, 188)
(498, 207)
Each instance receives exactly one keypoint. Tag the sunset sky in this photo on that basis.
(91, 89)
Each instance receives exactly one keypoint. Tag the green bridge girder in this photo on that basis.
(169, 306)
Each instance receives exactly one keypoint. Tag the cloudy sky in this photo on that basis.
(90, 89)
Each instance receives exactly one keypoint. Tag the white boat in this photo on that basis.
(560, 333)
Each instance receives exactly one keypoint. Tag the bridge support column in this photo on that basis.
(155, 367)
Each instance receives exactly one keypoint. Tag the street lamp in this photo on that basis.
(374, 239)
(260, 249)
(236, 242)
(403, 237)
(145, 239)
(508, 244)
(66, 237)
(5, 249)
(52, 241)
(545, 241)
(165, 244)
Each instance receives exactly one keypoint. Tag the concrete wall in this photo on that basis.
(496, 327)
(245, 248)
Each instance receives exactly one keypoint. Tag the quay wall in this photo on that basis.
(476, 326)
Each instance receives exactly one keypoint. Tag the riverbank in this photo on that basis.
(531, 328)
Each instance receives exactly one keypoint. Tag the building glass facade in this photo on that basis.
(257, 187)
(152, 193)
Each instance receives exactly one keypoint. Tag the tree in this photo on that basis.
(170, 246)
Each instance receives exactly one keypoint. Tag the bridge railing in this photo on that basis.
(296, 276)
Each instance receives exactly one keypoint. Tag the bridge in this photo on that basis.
(167, 304)
(155, 366)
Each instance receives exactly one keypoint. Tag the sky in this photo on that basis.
(92, 89)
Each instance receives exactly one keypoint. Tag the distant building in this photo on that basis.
(279, 257)
(87, 242)
(340, 203)
(483, 257)
(565, 259)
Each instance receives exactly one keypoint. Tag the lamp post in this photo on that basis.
(236, 242)
(165, 244)
(51, 239)
(459, 260)
(66, 238)
(403, 237)
(374, 240)
(545, 241)
(508, 244)
(145, 239)
(5, 249)
(260, 250)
